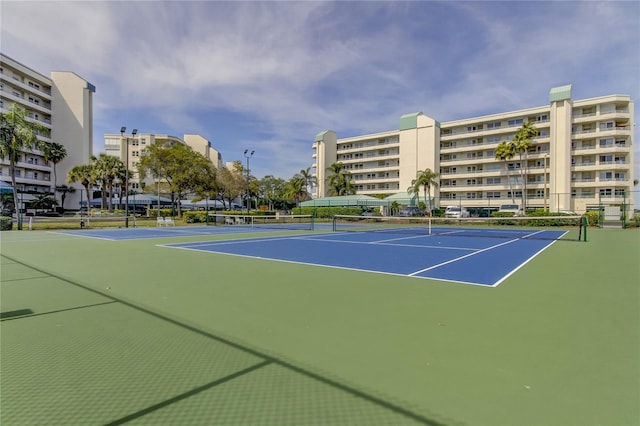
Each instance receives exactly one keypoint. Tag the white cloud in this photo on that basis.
(292, 69)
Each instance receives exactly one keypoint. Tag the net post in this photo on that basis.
(584, 225)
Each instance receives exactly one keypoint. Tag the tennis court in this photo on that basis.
(483, 261)
(126, 331)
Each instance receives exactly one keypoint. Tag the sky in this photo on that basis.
(268, 76)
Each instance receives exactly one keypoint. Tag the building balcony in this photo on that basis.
(42, 91)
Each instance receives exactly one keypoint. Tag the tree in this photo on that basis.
(18, 134)
(340, 180)
(55, 153)
(184, 169)
(64, 190)
(43, 202)
(83, 174)
(424, 179)
(271, 190)
(309, 179)
(296, 188)
(521, 142)
(505, 151)
(106, 169)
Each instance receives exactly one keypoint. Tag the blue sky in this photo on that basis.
(269, 76)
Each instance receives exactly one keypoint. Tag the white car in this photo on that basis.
(456, 212)
(511, 208)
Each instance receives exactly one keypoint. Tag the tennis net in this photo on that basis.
(300, 222)
(531, 227)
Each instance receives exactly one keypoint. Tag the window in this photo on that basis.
(471, 181)
(471, 195)
(619, 193)
(493, 181)
(606, 143)
(543, 117)
(607, 126)
(605, 176)
(493, 194)
(516, 122)
(605, 192)
(494, 125)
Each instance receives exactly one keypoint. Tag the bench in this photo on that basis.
(165, 221)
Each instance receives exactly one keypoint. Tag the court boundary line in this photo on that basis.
(523, 263)
(272, 359)
(320, 265)
(463, 257)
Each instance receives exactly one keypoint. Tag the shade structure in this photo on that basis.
(135, 200)
(5, 187)
(212, 204)
(344, 201)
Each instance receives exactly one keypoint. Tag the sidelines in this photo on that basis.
(485, 265)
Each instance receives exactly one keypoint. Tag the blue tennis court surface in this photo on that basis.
(164, 232)
(485, 261)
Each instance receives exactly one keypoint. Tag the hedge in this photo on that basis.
(6, 223)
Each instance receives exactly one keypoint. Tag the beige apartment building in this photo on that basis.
(63, 103)
(128, 148)
(581, 158)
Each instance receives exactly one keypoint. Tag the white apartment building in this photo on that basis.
(581, 158)
(129, 148)
(63, 103)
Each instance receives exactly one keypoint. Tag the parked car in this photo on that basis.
(410, 211)
(456, 212)
(511, 208)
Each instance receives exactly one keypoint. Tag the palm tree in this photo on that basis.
(44, 202)
(296, 188)
(55, 153)
(106, 169)
(521, 142)
(83, 174)
(505, 151)
(64, 190)
(309, 179)
(340, 180)
(425, 179)
(18, 134)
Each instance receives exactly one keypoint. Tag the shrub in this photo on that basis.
(593, 217)
(327, 212)
(199, 216)
(6, 223)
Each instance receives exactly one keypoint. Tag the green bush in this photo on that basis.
(199, 216)
(327, 212)
(593, 217)
(6, 223)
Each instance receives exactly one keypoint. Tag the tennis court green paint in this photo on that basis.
(557, 343)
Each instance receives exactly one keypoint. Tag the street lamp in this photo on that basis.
(126, 174)
(546, 158)
(248, 155)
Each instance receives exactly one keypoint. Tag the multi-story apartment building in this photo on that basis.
(63, 103)
(581, 158)
(129, 148)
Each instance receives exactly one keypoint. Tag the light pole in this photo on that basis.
(248, 155)
(126, 174)
(546, 157)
